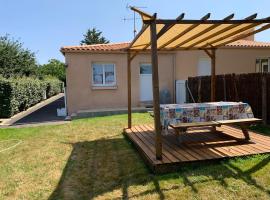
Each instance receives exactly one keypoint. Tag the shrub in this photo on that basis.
(53, 86)
(18, 94)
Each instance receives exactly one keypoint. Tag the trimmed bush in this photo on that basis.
(53, 86)
(18, 94)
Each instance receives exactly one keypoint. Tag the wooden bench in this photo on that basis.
(243, 123)
(181, 128)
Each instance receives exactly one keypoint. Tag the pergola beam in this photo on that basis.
(169, 26)
(212, 55)
(213, 75)
(165, 29)
(184, 31)
(139, 34)
(245, 35)
(208, 53)
(220, 32)
(155, 85)
(129, 59)
(203, 32)
(232, 34)
(142, 13)
(241, 21)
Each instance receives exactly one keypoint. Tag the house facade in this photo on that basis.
(97, 74)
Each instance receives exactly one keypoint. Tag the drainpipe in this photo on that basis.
(65, 92)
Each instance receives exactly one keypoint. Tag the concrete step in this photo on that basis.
(146, 104)
(107, 112)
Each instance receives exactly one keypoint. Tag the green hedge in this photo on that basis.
(18, 94)
(53, 86)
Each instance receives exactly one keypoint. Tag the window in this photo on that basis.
(262, 65)
(103, 74)
(145, 68)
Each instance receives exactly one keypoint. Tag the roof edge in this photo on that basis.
(122, 47)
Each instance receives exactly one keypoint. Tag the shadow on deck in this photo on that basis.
(198, 144)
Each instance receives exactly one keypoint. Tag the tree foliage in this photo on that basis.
(16, 60)
(94, 36)
(54, 68)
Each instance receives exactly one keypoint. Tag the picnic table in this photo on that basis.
(180, 117)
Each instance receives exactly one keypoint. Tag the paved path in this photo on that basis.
(44, 115)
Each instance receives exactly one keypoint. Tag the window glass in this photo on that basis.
(264, 63)
(98, 74)
(145, 69)
(103, 74)
(258, 65)
(109, 73)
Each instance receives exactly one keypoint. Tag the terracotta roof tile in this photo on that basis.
(248, 43)
(117, 47)
(96, 47)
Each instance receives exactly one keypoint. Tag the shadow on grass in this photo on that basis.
(110, 166)
(97, 167)
(222, 171)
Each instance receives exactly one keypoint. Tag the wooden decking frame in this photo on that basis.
(198, 144)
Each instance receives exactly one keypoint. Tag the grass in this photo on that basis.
(90, 159)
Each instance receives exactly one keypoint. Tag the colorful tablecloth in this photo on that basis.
(203, 112)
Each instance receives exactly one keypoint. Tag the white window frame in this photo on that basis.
(261, 58)
(103, 72)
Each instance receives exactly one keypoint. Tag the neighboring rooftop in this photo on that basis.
(249, 43)
(118, 47)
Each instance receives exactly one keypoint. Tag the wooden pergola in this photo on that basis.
(182, 34)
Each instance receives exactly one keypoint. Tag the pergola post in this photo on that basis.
(212, 55)
(213, 75)
(155, 84)
(129, 88)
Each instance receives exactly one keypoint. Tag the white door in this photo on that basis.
(180, 91)
(146, 93)
(204, 67)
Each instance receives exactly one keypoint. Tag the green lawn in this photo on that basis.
(90, 158)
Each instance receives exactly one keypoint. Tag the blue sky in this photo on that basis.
(46, 25)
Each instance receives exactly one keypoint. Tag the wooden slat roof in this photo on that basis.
(183, 34)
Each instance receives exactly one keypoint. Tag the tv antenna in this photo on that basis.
(134, 18)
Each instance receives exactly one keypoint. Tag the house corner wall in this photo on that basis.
(81, 95)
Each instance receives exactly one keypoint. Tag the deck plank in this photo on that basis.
(167, 157)
(149, 145)
(199, 144)
(190, 151)
(147, 152)
(167, 147)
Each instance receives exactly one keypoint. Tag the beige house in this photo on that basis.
(97, 74)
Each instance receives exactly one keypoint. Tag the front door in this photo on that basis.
(146, 93)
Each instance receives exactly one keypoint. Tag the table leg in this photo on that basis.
(245, 131)
(179, 132)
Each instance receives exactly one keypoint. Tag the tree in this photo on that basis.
(93, 36)
(16, 60)
(54, 68)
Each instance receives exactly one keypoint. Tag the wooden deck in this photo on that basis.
(198, 144)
